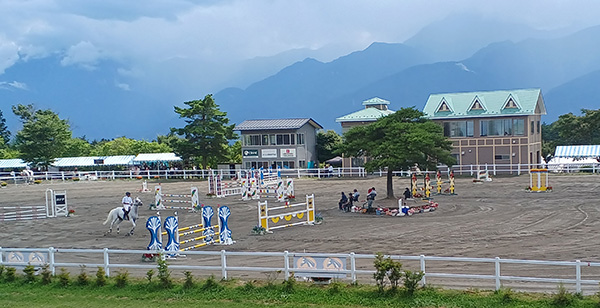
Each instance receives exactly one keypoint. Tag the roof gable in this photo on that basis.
(486, 104)
(444, 106)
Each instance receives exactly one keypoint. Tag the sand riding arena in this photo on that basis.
(490, 219)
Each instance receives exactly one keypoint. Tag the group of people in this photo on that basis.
(347, 201)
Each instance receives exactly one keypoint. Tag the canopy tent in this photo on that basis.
(155, 157)
(577, 151)
(14, 163)
(93, 161)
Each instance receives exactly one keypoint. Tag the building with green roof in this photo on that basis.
(492, 127)
(375, 108)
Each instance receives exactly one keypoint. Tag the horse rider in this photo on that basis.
(127, 202)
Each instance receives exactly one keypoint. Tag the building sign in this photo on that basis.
(269, 153)
(288, 153)
(250, 153)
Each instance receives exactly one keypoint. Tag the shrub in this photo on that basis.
(63, 277)
(411, 281)
(210, 284)
(75, 179)
(387, 268)
(288, 284)
(149, 275)
(122, 278)
(189, 280)
(29, 271)
(562, 297)
(3, 184)
(164, 275)
(11, 274)
(83, 279)
(100, 277)
(506, 295)
(46, 274)
(37, 181)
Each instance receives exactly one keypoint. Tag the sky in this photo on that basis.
(145, 36)
(199, 46)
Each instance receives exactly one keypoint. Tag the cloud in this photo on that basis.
(209, 39)
(122, 86)
(13, 85)
(84, 54)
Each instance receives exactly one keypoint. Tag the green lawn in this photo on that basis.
(234, 293)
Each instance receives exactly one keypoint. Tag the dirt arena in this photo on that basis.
(492, 219)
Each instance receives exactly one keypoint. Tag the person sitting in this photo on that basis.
(355, 196)
(127, 202)
(407, 194)
(343, 201)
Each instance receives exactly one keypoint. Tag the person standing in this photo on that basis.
(343, 201)
(127, 202)
(371, 197)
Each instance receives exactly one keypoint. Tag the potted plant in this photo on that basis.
(318, 219)
(259, 230)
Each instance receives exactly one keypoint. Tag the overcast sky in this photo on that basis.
(145, 35)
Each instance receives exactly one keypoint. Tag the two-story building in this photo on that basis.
(494, 127)
(375, 108)
(284, 143)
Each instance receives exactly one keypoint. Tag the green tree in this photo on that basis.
(78, 147)
(4, 132)
(127, 146)
(44, 136)
(327, 143)
(570, 129)
(235, 152)
(206, 133)
(399, 141)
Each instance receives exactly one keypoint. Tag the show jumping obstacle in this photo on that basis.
(482, 176)
(268, 217)
(415, 189)
(56, 206)
(538, 180)
(160, 202)
(440, 182)
(219, 188)
(173, 246)
(282, 190)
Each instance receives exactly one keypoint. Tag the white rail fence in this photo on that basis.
(459, 170)
(484, 273)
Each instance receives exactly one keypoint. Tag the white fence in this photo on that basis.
(490, 273)
(459, 170)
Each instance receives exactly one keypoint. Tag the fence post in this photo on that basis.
(422, 259)
(51, 251)
(319, 173)
(106, 264)
(497, 272)
(298, 172)
(113, 175)
(46, 176)
(578, 276)
(353, 267)
(62, 175)
(130, 174)
(286, 264)
(184, 174)
(223, 265)
(471, 170)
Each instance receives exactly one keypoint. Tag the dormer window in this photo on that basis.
(444, 107)
(476, 105)
(511, 104)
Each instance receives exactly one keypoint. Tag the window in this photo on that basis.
(457, 157)
(300, 138)
(532, 127)
(538, 127)
(301, 163)
(502, 127)
(511, 104)
(518, 127)
(273, 140)
(265, 139)
(443, 107)
(502, 157)
(458, 129)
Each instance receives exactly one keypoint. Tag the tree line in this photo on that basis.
(44, 136)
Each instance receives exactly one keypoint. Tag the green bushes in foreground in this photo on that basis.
(26, 289)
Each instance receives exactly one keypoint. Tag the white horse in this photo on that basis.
(116, 216)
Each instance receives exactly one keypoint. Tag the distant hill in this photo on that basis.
(400, 74)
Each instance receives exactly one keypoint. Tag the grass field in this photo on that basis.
(20, 290)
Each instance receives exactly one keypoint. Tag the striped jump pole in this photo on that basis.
(160, 202)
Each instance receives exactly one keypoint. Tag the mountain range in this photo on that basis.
(103, 102)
